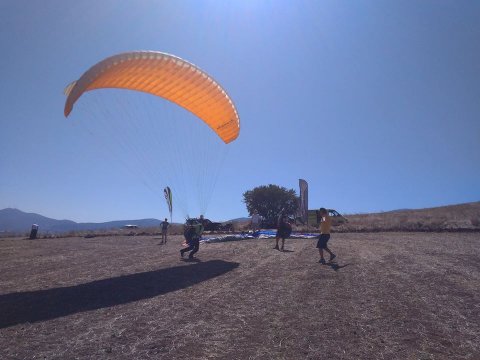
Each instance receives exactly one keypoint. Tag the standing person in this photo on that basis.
(33, 232)
(192, 233)
(325, 227)
(255, 224)
(164, 226)
(284, 229)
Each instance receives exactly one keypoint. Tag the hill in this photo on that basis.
(462, 217)
(16, 221)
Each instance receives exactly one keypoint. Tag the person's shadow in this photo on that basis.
(41, 305)
(336, 266)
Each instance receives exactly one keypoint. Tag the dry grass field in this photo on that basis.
(462, 217)
(389, 296)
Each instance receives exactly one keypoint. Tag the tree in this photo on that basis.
(269, 200)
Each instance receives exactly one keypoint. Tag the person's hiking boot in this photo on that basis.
(333, 256)
(276, 247)
(322, 261)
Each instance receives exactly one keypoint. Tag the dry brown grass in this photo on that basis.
(464, 217)
(389, 296)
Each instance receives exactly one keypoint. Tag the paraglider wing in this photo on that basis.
(166, 76)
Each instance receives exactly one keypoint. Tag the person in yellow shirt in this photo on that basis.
(325, 227)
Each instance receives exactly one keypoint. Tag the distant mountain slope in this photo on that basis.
(239, 220)
(466, 211)
(14, 221)
(443, 218)
(453, 217)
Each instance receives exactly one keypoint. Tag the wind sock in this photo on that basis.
(303, 208)
(168, 197)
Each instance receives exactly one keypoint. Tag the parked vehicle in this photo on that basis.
(211, 226)
(337, 218)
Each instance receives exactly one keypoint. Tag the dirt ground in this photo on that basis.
(388, 296)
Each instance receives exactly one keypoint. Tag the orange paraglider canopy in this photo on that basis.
(166, 76)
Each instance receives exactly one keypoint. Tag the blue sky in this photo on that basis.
(375, 103)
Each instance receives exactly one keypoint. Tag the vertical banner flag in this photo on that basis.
(303, 209)
(168, 197)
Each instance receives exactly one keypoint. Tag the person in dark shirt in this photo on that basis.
(284, 229)
(192, 233)
(164, 226)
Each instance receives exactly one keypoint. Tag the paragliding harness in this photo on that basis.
(193, 231)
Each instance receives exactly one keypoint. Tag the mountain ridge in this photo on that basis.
(17, 221)
(14, 221)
